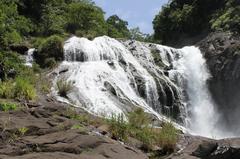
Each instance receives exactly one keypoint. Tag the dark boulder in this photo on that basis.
(205, 149)
(195, 147)
(19, 48)
(222, 52)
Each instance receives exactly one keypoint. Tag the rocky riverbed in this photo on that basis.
(51, 132)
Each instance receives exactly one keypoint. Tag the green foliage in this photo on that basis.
(50, 62)
(168, 137)
(64, 87)
(8, 107)
(188, 18)
(9, 61)
(21, 89)
(117, 28)
(85, 17)
(20, 83)
(136, 34)
(12, 25)
(138, 119)
(118, 127)
(22, 131)
(49, 50)
(36, 68)
(229, 19)
(53, 20)
(139, 127)
(7, 89)
(79, 128)
(24, 89)
(23, 18)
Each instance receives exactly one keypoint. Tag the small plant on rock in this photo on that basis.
(64, 87)
(8, 106)
(22, 131)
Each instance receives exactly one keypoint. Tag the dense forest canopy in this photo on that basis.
(191, 17)
(21, 19)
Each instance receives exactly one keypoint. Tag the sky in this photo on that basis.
(138, 13)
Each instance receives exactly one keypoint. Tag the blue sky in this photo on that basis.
(137, 12)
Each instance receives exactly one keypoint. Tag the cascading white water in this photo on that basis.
(29, 57)
(103, 72)
(110, 76)
(203, 116)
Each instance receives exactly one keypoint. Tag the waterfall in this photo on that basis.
(111, 76)
(107, 78)
(29, 57)
(202, 114)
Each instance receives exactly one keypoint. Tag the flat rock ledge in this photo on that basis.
(50, 135)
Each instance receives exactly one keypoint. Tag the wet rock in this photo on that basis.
(12, 73)
(110, 88)
(110, 63)
(222, 52)
(195, 147)
(63, 71)
(2, 73)
(205, 149)
(19, 48)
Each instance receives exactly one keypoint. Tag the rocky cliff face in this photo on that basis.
(222, 51)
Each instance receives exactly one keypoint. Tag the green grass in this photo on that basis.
(168, 137)
(8, 107)
(20, 88)
(7, 89)
(22, 131)
(139, 127)
(118, 127)
(64, 87)
(24, 89)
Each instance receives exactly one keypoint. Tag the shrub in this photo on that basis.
(24, 89)
(147, 136)
(50, 62)
(138, 126)
(10, 61)
(36, 68)
(52, 47)
(8, 106)
(118, 127)
(64, 87)
(138, 118)
(167, 138)
(86, 17)
(22, 131)
(7, 89)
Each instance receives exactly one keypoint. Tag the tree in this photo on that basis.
(85, 17)
(136, 34)
(53, 20)
(12, 25)
(117, 28)
(188, 18)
